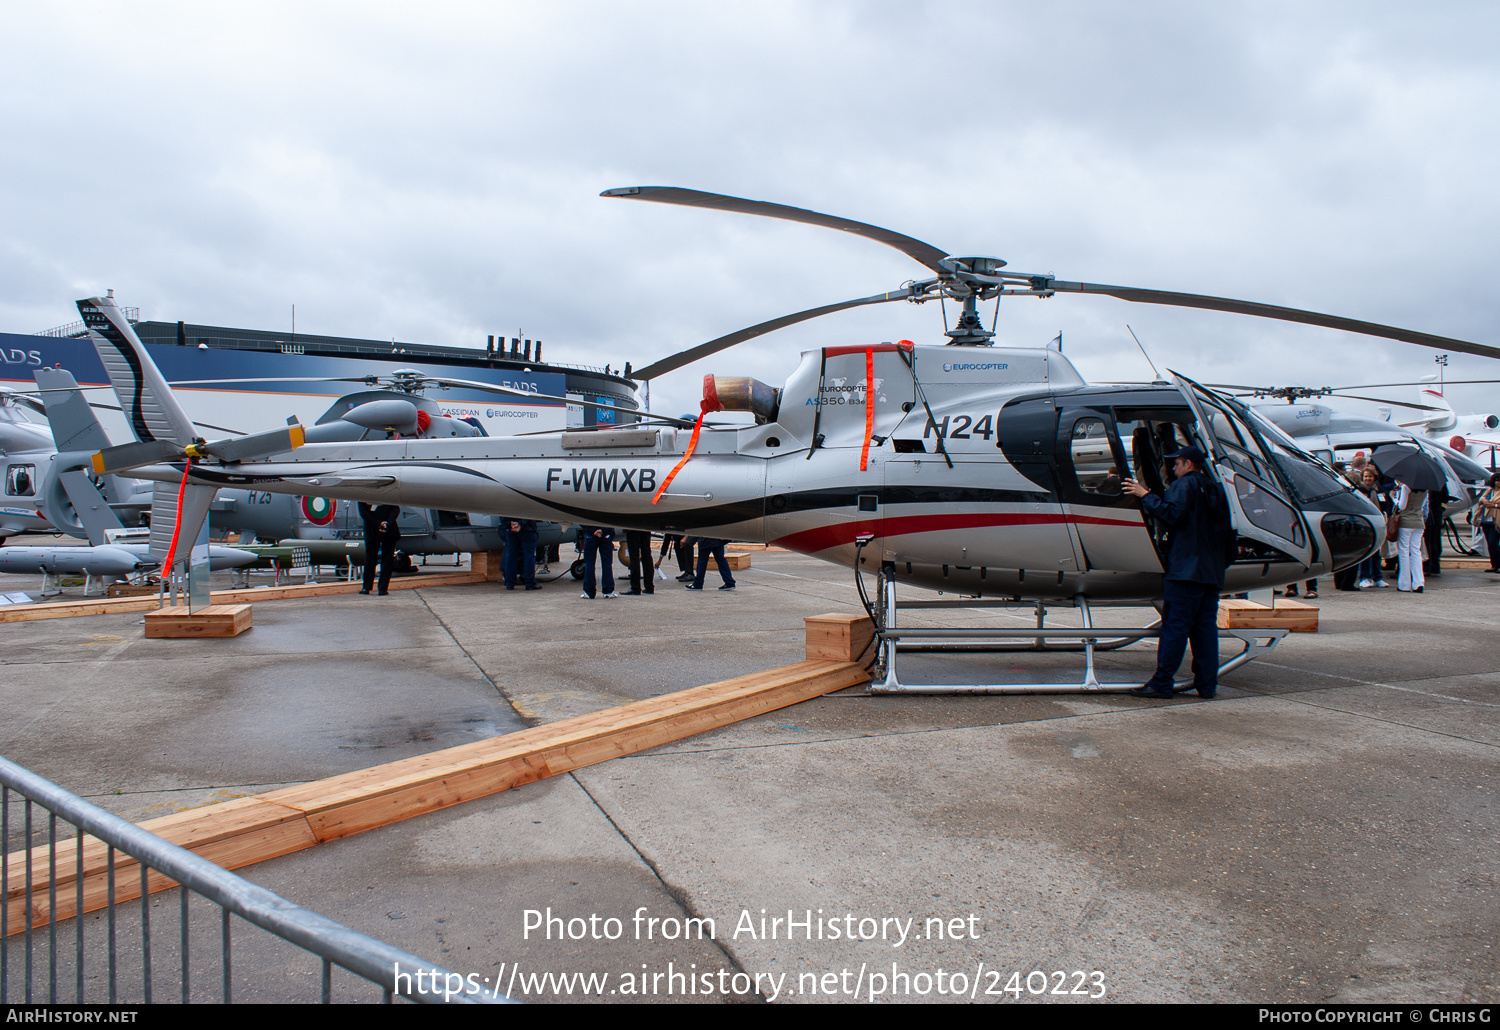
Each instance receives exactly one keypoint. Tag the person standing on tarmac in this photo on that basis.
(520, 553)
(1197, 518)
(382, 531)
(598, 545)
(641, 563)
(711, 546)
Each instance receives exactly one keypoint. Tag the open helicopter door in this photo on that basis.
(1110, 531)
(1270, 528)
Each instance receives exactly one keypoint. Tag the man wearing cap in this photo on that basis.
(1196, 558)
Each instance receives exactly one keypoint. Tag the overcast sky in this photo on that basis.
(430, 173)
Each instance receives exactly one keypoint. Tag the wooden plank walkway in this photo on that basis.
(248, 830)
(114, 605)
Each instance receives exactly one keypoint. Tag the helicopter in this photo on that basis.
(1334, 434)
(26, 446)
(73, 501)
(991, 472)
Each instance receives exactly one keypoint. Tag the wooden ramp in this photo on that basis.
(252, 829)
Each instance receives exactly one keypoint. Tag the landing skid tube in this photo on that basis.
(891, 639)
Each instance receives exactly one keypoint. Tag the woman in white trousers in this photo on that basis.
(1412, 504)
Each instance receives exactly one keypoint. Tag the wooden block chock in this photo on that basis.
(217, 620)
(1235, 613)
(491, 563)
(737, 560)
(838, 637)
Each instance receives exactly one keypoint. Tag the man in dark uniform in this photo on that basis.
(1197, 523)
(1437, 500)
(641, 563)
(382, 530)
(598, 544)
(520, 553)
(710, 546)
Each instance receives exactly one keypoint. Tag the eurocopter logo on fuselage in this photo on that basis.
(986, 367)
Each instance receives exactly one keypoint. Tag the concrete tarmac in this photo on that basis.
(1324, 831)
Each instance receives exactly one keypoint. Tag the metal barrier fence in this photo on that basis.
(394, 970)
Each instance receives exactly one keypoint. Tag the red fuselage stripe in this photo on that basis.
(811, 541)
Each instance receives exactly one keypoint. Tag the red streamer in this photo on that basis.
(177, 529)
(692, 443)
(864, 453)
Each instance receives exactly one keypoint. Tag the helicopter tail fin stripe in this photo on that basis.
(692, 444)
(148, 403)
(864, 452)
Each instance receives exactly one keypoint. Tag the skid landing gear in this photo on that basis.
(893, 640)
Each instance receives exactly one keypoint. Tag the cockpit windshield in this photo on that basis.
(1309, 479)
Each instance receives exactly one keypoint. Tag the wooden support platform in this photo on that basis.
(106, 606)
(839, 637)
(217, 620)
(1450, 562)
(490, 563)
(242, 832)
(1293, 615)
(737, 560)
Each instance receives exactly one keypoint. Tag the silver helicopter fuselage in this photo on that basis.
(988, 471)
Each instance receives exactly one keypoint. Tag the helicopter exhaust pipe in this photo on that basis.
(741, 393)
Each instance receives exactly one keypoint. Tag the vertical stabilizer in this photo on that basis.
(74, 427)
(1443, 418)
(150, 409)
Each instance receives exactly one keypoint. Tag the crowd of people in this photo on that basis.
(597, 545)
(1412, 546)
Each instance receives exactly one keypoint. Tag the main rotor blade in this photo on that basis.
(1383, 400)
(275, 379)
(924, 253)
(703, 350)
(1424, 382)
(1246, 307)
(510, 391)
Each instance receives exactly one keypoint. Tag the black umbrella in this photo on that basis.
(1411, 465)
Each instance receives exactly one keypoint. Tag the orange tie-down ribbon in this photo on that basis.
(709, 403)
(177, 529)
(692, 443)
(864, 452)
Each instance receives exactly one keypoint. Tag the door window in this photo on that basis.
(19, 480)
(1094, 464)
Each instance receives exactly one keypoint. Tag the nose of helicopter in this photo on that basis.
(1350, 538)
